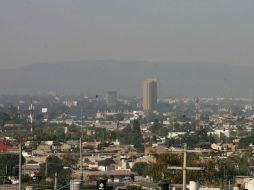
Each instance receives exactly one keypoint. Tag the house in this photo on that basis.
(9, 187)
(92, 175)
(7, 146)
(90, 145)
(56, 147)
(155, 150)
(175, 135)
(12, 126)
(221, 147)
(3, 146)
(241, 181)
(106, 165)
(121, 149)
(66, 147)
(42, 148)
(31, 169)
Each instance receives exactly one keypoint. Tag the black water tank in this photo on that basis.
(112, 178)
(163, 185)
(110, 188)
(101, 184)
(132, 176)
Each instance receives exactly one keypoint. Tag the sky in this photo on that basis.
(203, 31)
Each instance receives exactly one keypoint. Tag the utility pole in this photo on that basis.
(20, 166)
(184, 165)
(80, 150)
(184, 168)
(55, 184)
(173, 123)
(46, 169)
(81, 162)
(82, 132)
(80, 156)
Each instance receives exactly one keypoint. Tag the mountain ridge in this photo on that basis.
(98, 77)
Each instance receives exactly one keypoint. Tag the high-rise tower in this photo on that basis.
(149, 94)
(197, 113)
(30, 116)
(111, 98)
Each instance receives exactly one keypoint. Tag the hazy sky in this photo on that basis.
(35, 31)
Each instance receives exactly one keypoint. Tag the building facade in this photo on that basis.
(149, 94)
(111, 99)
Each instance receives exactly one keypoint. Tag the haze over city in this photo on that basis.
(174, 31)
(126, 95)
(188, 37)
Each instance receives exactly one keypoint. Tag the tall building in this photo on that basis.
(149, 94)
(111, 99)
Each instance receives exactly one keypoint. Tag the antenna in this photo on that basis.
(184, 168)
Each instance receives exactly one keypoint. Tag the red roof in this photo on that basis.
(3, 146)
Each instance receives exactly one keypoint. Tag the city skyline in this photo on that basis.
(90, 78)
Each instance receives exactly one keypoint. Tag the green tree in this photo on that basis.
(32, 162)
(131, 135)
(159, 168)
(141, 168)
(70, 160)
(133, 187)
(55, 165)
(9, 164)
(216, 169)
(4, 118)
(175, 176)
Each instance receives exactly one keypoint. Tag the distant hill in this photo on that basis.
(97, 77)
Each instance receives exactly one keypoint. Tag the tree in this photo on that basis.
(133, 187)
(159, 168)
(245, 142)
(4, 118)
(9, 163)
(106, 162)
(131, 135)
(32, 162)
(141, 168)
(14, 115)
(70, 161)
(55, 165)
(119, 117)
(215, 168)
(156, 127)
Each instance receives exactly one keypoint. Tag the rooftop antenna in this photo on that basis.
(185, 168)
